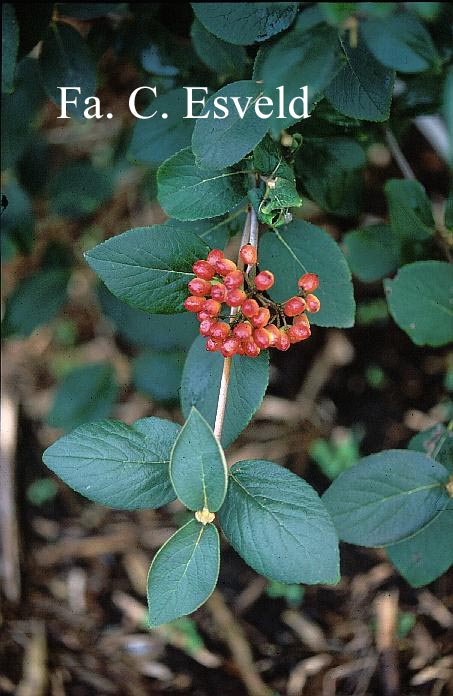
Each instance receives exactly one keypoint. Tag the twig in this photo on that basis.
(9, 527)
(250, 231)
(398, 156)
(386, 609)
(232, 633)
(34, 680)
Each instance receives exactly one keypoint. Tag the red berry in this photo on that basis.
(262, 318)
(203, 269)
(274, 334)
(203, 315)
(283, 343)
(264, 280)
(220, 330)
(225, 266)
(298, 333)
(301, 319)
(240, 350)
(248, 254)
(243, 331)
(214, 256)
(212, 307)
(229, 347)
(313, 304)
(234, 280)
(262, 338)
(251, 349)
(309, 282)
(200, 287)
(194, 304)
(212, 345)
(235, 298)
(294, 306)
(218, 292)
(206, 326)
(250, 308)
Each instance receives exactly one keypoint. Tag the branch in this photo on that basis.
(249, 236)
(398, 156)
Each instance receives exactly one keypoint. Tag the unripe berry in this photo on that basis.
(283, 343)
(203, 269)
(212, 307)
(243, 331)
(298, 333)
(248, 254)
(251, 349)
(264, 280)
(313, 304)
(262, 318)
(206, 326)
(220, 330)
(309, 282)
(274, 334)
(294, 306)
(214, 256)
(194, 304)
(212, 345)
(262, 338)
(235, 298)
(225, 266)
(199, 287)
(233, 280)
(218, 292)
(229, 347)
(250, 308)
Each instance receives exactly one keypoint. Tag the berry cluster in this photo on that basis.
(255, 322)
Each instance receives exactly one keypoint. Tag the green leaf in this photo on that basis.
(337, 12)
(147, 267)
(436, 442)
(428, 554)
(401, 42)
(363, 87)
(409, 209)
(244, 23)
(220, 142)
(298, 58)
(219, 56)
(201, 382)
(85, 394)
(372, 252)
(34, 302)
(118, 465)
(198, 468)
(148, 330)
(65, 61)
(328, 168)
(10, 44)
(90, 10)
(387, 497)
(215, 231)
(301, 248)
(157, 138)
(158, 374)
(278, 524)
(17, 222)
(78, 189)
(19, 111)
(188, 192)
(183, 573)
(420, 300)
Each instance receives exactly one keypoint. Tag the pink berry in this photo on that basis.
(203, 269)
(261, 319)
(214, 256)
(199, 286)
(264, 280)
(250, 308)
(248, 254)
(194, 304)
(233, 280)
(235, 298)
(294, 306)
(309, 282)
(218, 292)
(313, 304)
